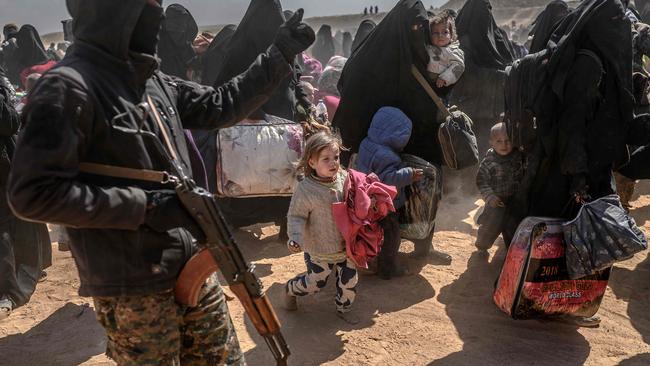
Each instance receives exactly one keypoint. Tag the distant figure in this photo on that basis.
(365, 11)
(51, 53)
(376, 9)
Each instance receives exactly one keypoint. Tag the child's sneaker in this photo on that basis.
(290, 301)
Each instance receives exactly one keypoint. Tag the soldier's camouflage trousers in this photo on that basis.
(155, 330)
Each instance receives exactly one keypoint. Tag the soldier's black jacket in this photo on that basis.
(68, 121)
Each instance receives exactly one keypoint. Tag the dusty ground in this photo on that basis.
(442, 316)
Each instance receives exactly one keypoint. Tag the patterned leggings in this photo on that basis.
(316, 278)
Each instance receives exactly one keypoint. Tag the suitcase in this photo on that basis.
(417, 217)
(534, 281)
(258, 158)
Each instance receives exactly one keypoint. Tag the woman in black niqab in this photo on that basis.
(214, 58)
(254, 35)
(373, 78)
(378, 74)
(484, 43)
(347, 44)
(545, 23)
(30, 50)
(324, 47)
(177, 32)
(590, 78)
(365, 28)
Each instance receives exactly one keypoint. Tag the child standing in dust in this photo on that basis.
(446, 59)
(497, 179)
(311, 227)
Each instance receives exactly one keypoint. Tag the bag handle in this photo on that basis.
(436, 99)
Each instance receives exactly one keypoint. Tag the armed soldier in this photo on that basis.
(129, 238)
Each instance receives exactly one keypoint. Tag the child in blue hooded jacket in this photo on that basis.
(389, 132)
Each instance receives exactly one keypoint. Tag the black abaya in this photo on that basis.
(373, 78)
(484, 43)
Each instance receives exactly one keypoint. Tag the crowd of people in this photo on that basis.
(361, 109)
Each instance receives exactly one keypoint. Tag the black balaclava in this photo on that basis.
(145, 34)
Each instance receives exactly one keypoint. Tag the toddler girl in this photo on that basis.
(312, 229)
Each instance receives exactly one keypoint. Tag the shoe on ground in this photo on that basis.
(583, 321)
(290, 301)
(6, 306)
(348, 317)
(42, 277)
(64, 247)
(481, 246)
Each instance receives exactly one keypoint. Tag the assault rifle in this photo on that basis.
(219, 252)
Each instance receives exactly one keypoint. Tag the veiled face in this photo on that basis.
(419, 38)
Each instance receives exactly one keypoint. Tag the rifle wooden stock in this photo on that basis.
(193, 276)
(259, 309)
(196, 272)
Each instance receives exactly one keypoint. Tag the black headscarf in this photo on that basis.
(30, 47)
(177, 32)
(365, 28)
(324, 48)
(484, 43)
(253, 36)
(347, 44)
(373, 78)
(214, 58)
(545, 23)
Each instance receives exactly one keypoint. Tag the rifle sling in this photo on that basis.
(136, 174)
(125, 173)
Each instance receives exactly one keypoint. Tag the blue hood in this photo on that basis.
(390, 127)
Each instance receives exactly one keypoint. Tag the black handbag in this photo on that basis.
(455, 135)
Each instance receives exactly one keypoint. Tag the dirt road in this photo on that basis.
(443, 315)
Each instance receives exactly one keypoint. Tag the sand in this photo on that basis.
(443, 315)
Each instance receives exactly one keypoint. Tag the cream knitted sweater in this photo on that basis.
(310, 222)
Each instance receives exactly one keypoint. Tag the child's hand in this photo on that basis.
(293, 247)
(417, 175)
(495, 202)
(440, 83)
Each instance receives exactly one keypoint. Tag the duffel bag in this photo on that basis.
(457, 141)
(258, 158)
(534, 281)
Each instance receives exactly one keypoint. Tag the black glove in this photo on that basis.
(294, 36)
(579, 188)
(165, 212)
